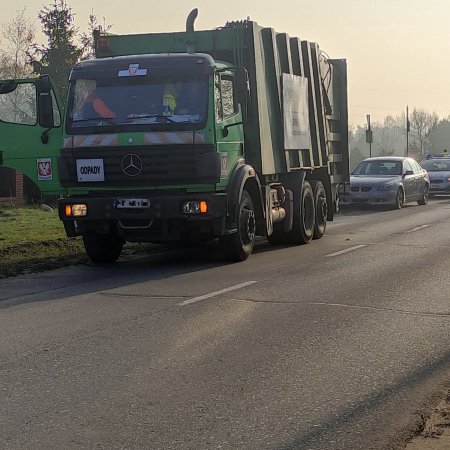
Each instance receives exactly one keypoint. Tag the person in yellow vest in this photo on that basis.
(445, 152)
(170, 98)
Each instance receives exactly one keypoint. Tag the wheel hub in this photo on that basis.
(248, 226)
(322, 209)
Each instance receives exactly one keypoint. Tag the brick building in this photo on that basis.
(11, 187)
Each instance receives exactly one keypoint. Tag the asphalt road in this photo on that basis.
(332, 345)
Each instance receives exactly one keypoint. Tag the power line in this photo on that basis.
(386, 108)
(399, 90)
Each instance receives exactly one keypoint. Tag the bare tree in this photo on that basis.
(359, 149)
(87, 39)
(17, 39)
(422, 125)
(439, 139)
(388, 137)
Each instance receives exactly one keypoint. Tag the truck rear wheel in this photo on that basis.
(304, 216)
(239, 246)
(103, 248)
(320, 202)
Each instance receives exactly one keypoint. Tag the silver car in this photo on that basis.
(391, 181)
(438, 169)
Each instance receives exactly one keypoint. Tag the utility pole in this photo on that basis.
(369, 136)
(408, 128)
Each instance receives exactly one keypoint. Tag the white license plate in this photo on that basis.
(131, 203)
(90, 170)
(434, 186)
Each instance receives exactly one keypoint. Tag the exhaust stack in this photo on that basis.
(190, 29)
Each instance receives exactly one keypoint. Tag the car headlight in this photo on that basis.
(386, 187)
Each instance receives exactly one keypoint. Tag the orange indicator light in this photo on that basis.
(203, 206)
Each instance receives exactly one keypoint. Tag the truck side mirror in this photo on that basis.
(45, 106)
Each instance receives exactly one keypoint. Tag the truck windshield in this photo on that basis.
(136, 104)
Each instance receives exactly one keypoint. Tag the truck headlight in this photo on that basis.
(77, 210)
(195, 207)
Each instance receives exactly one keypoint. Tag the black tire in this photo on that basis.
(103, 248)
(321, 209)
(304, 216)
(425, 196)
(399, 199)
(239, 246)
(336, 203)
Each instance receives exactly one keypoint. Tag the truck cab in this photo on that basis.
(149, 141)
(31, 131)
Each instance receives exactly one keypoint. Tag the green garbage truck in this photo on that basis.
(230, 133)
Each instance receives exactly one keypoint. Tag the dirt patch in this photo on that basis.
(38, 256)
(434, 434)
(52, 254)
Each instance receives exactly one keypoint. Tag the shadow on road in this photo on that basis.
(161, 262)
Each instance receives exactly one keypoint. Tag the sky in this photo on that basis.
(397, 51)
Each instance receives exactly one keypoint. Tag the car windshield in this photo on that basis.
(132, 103)
(436, 165)
(378, 167)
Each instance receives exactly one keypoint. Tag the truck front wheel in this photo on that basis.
(239, 246)
(103, 248)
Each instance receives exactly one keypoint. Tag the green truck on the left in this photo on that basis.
(229, 133)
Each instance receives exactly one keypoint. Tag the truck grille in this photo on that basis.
(161, 164)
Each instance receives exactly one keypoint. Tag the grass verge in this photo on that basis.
(32, 240)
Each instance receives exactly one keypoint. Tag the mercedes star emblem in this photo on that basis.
(131, 165)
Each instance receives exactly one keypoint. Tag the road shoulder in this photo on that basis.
(435, 434)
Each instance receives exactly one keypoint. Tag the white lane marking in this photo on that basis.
(215, 293)
(417, 229)
(356, 247)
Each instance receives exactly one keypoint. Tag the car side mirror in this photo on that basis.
(408, 172)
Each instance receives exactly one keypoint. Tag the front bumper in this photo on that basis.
(372, 198)
(161, 219)
(439, 187)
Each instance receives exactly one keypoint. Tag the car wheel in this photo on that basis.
(399, 199)
(424, 199)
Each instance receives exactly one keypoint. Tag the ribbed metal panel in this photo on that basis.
(161, 165)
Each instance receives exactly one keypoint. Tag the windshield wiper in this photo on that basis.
(109, 120)
(150, 116)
